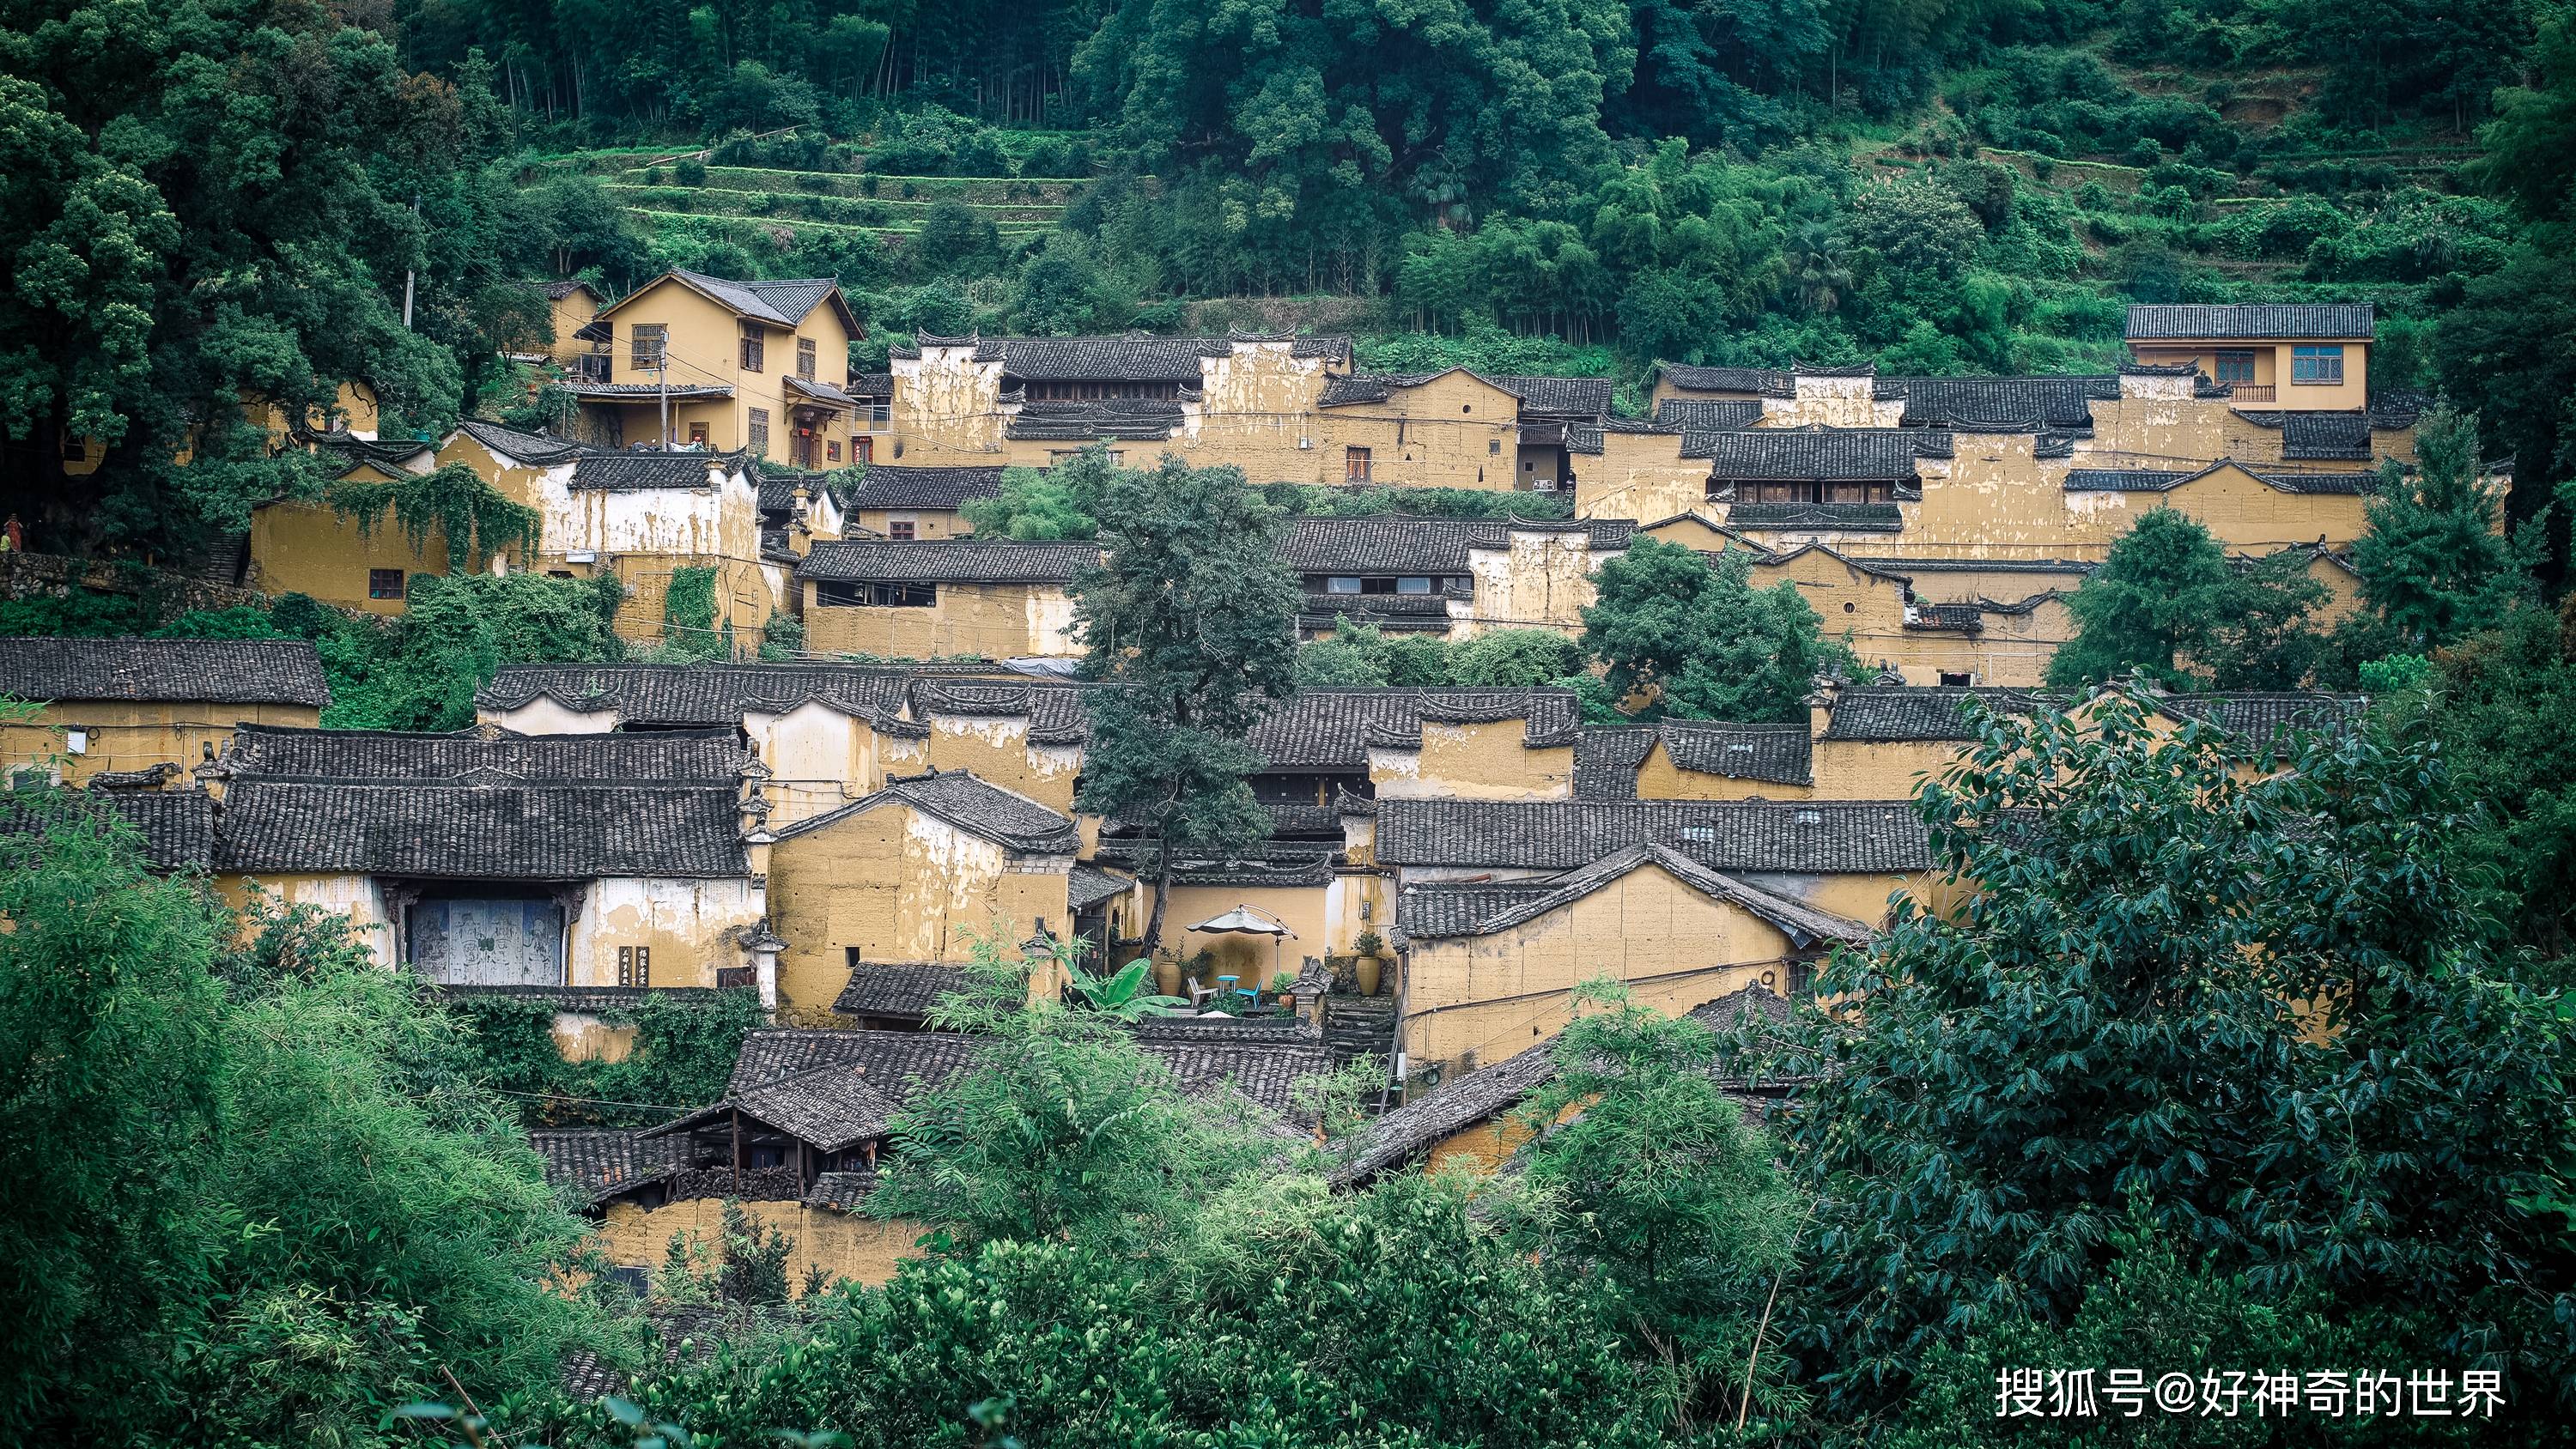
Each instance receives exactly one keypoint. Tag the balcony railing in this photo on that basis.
(2253, 391)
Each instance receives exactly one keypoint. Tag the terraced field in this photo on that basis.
(763, 197)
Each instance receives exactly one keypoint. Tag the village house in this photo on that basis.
(572, 307)
(896, 501)
(759, 368)
(929, 599)
(2297, 357)
(159, 707)
(1476, 1123)
(911, 875)
(1452, 577)
(640, 516)
(1518, 902)
(808, 1123)
(484, 858)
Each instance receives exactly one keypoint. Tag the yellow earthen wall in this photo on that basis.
(1481, 999)
(307, 548)
(1474, 762)
(843, 1245)
(136, 735)
(899, 885)
(993, 621)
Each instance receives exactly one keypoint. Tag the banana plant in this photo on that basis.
(1127, 995)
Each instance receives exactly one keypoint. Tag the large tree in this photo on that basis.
(2436, 562)
(2263, 1008)
(1192, 614)
(2168, 602)
(1698, 638)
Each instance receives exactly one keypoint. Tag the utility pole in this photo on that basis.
(662, 390)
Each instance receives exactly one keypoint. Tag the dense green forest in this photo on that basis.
(236, 205)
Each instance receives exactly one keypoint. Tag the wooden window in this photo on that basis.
(900, 528)
(384, 583)
(863, 450)
(831, 450)
(846, 594)
(1950, 680)
(1342, 585)
(1413, 586)
(697, 435)
(634, 965)
(759, 443)
(645, 344)
(2236, 367)
(805, 358)
(1355, 465)
(755, 347)
(2319, 366)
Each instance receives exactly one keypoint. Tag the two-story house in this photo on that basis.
(756, 367)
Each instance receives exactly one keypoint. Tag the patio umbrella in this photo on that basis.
(1249, 921)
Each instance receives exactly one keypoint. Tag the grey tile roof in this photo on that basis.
(1549, 715)
(1606, 758)
(841, 1191)
(1089, 886)
(1778, 753)
(949, 561)
(960, 798)
(176, 827)
(1430, 912)
(888, 486)
(553, 831)
(1398, 613)
(1908, 567)
(1395, 545)
(2260, 717)
(1763, 381)
(1952, 618)
(1841, 454)
(1329, 729)
(1058, 712)
(2340, 437)
(1914, 712)
(1587, 397)
(2022, 404)
(2122, 480)
(707, 756)
(1127, 419)
(830, 1108)
(1708, 414)
(777, 484)
(1405, 1134)
(534, 449)
(598, 1163)
(1838, 517)
(897, 988)
(2151, 322)
(899, 1063)
(666, 695)
(1797, 839)
(214, 671)
(638, 391)
(785, 301)
(639, 472)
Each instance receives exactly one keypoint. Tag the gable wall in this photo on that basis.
(137, 734)
(900, 885)
(1473, 762)
(994, 621)
(1479, 999)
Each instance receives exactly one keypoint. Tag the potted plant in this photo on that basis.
(1283, 986)
(1369, 944)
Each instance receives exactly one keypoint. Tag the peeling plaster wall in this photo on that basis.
(946, 408)
(687, 923)
(1542, 581)
(1473, 1001)
(356, 896)
(819, 758)
(1835, 402)
(897, 884)
(1641, 476)
(997, 749)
